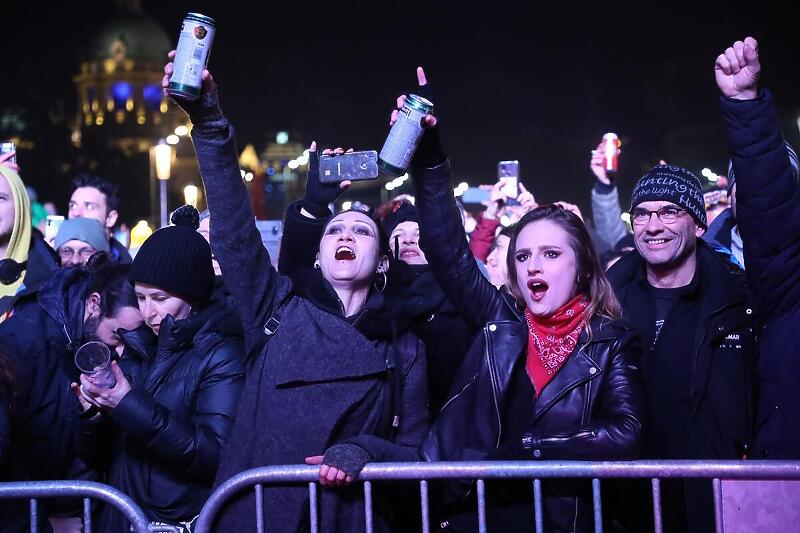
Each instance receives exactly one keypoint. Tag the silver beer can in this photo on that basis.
(404, 137)
(191, 57)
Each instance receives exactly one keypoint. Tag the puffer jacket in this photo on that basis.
(590, 410)
(167, 433)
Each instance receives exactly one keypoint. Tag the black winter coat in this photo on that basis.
(167, 433)
(590, 410)
(321, 379)
(39, 340)
(768, 213)
(412, 293)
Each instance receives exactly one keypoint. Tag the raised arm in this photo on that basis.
(245, 263)
(767, 196)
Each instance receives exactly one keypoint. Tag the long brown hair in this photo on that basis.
(592, 281)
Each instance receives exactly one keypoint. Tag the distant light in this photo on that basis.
(706, 172)
(282, 137)
(463, 185)
(293, 164)
(404, 177)
(173, 139)
(397, 182)
(270, 171)
(190, 193)
(713, 178)
(180, 131)
(458, 191)
(248, 176)
(626, 217)
(242, 173)
(505, 221)
(346, 205)
(163, 155)
(302, 160)
(390, 186)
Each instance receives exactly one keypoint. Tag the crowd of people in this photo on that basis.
(391, 334)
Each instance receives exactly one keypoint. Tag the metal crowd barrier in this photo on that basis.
(480, 471)
(88, 490)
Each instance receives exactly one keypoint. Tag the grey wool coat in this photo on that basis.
(320, 380)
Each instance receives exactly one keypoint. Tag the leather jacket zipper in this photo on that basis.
(492, 376)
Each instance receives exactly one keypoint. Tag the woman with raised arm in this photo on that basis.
(330, 380)
(554, 374)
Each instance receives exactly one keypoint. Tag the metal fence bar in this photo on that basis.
(312, 499)
(260, 508)
(481, 506)
(598, 506)
(424, 506)
(538, 512)
(35, 490)
(718, 505)
(87, 515)
(658, 524)
(368, 505)
(34, 515)
(483, 470)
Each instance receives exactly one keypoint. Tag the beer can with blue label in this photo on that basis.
(191, 57)
(404, 137)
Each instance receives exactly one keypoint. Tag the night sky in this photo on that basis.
(511, 81)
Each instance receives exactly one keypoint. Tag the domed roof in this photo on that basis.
(130, 34)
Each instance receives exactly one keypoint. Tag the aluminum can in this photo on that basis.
(191, 57)
(9, 147)
(611, 146)
(404, 137)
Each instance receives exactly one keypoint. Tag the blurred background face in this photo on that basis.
(75, 253)
(405, 238)
(204, 230)
(155, 304)
(6, 211)
(88, 202)
(664, 245)
(496, 262)
(545, 267)
(349, 250)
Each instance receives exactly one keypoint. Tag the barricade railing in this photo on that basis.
(88, 491)
(716, 471)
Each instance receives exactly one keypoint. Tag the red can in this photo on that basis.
(611, 149)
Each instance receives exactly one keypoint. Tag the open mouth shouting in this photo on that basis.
(538, 288)
(345, 253)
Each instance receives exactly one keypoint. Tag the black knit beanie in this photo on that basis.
(177, 259)
(399, 212)
(668, 183)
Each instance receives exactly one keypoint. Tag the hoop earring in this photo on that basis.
(380, 288)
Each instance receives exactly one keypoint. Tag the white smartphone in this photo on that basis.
(51, 227)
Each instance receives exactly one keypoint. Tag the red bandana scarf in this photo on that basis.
(551, 339)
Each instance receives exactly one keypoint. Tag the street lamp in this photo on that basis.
(163, 163)
(190, 194)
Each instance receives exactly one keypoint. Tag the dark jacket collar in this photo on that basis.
(720, 282)
(63, 298)
(719, 231)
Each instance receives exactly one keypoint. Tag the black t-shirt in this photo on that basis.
(668, 365)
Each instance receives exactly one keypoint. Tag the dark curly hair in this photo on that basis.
(109, 189)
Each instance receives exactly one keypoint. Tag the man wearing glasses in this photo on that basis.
(77, 239)
(697, 326)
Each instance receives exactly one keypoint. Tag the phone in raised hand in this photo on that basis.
(509, 171)
(349, 166)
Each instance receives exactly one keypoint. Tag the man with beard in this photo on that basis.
(74, 306)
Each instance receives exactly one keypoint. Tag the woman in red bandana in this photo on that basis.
(554, 374)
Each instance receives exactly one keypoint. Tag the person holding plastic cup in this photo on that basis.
(165, 426)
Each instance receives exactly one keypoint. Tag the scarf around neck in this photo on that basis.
(552, 339)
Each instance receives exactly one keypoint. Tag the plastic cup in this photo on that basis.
(94, 360)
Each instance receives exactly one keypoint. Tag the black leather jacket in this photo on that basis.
(590, 410)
